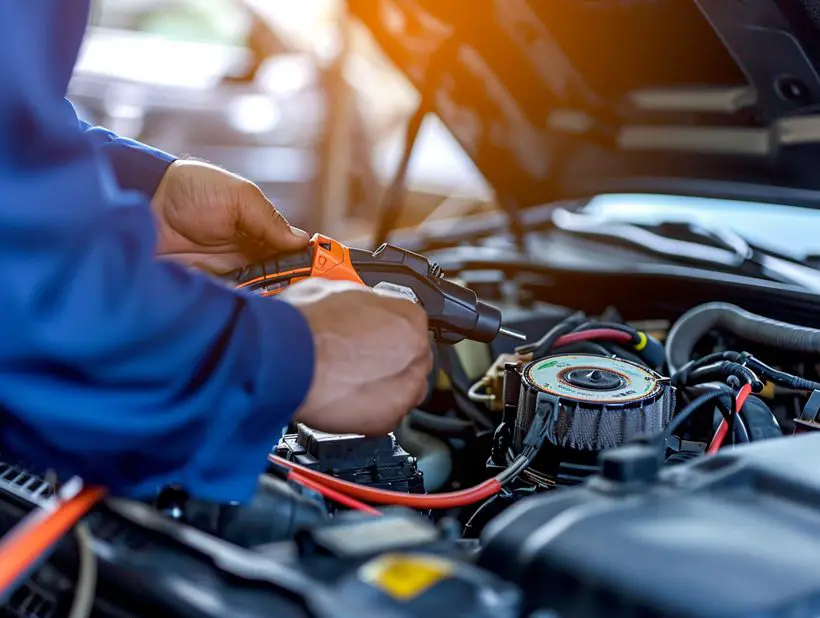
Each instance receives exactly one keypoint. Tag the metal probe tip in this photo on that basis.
(512, 333)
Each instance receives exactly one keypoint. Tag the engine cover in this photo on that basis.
(736, 534)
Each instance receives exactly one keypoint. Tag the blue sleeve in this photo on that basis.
(136, 166)
(126, 370)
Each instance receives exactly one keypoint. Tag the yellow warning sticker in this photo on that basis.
(405, 577)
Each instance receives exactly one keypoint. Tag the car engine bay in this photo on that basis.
(607, 465)
(649, 450)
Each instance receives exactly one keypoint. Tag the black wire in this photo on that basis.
(776, 376)
(533, 441)
(693, 406)
(518, 465)
(486, 505)
(727, 412)
(717, 356)
(781, 377)
(681, 376)
(722, 371)
(546, 343)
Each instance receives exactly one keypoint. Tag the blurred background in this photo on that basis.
(292, 95)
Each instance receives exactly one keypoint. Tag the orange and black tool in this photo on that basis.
(455, 313)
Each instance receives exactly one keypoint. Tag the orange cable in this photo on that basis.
(38, 531)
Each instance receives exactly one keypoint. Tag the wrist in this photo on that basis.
(168, 241)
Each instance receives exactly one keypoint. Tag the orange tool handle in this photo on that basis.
(323, 257)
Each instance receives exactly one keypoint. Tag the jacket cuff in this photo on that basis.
(137, 166)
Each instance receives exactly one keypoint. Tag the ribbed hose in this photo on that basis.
(698, 322)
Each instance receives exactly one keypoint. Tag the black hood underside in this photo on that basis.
(557, 99)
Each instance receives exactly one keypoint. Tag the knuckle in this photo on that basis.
(248, 189)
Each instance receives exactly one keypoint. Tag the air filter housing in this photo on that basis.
(601, 401)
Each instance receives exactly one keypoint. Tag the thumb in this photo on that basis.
(258, 218)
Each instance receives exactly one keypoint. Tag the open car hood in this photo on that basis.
(567, 98)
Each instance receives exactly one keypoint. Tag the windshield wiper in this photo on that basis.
(683, 242)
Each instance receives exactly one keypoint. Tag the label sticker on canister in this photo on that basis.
(620, 381)
(405, 577)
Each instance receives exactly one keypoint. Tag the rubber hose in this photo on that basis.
(697, 322)
(446, 426)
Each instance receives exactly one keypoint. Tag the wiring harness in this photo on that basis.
(446, 500)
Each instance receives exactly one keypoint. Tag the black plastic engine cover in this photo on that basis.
(398, 565)
(736, 534)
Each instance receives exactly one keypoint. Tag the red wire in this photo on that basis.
(332, 494)
(723, 428)
(605, 334)
(446, 500)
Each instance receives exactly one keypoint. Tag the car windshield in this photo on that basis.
(788, 230)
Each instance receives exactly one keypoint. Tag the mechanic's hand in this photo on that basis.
(373, 356)
(215, 220)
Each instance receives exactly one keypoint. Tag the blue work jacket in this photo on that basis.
(126, 370)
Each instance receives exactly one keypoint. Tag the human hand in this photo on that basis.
(373, 356)
(218, 221)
